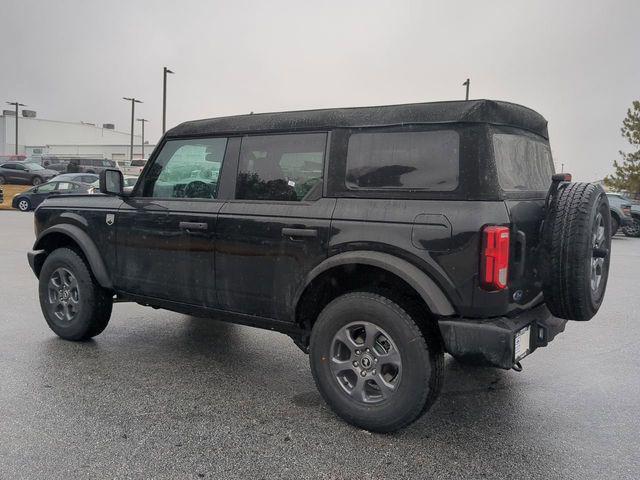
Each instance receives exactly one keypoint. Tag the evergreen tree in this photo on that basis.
(627, 170)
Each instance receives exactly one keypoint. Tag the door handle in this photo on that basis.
(300, 232)
(193, 226)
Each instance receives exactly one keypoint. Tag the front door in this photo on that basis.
(277, 228)
(41, 192)
(166, 228)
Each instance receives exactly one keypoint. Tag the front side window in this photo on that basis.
(47, 187)
(33, 166)
(523, 164)
(414, 160)
(280, 167)
(186, 169)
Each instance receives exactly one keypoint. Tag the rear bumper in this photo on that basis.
(491, 341)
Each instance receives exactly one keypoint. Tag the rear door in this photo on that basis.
(166, 228)
(276, 229)
(524, 169)
(17, 172)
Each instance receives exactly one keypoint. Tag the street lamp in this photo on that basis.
(133, 109)
(164, 98)
(143, 121)
(467, 83)
(16, 104)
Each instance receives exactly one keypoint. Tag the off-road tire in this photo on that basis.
(420, 351)
(95, 303)
(569, 248)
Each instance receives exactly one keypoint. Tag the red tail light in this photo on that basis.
(495, 258)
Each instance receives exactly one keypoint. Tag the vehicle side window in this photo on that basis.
(65, 186)
(412, 160)
(8, 166)
(186, 169)
(280, 167)
(47, 187)
(88, 179)
(17, 166)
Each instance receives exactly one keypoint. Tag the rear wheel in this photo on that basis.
(577, 240)
(2, 180)
(373, 364)
(74, 305)
(36, 181)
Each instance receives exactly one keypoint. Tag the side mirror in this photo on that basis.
(111, 182)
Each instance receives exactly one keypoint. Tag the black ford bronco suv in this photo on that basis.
(378, 238)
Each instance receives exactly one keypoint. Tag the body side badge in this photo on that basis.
(110, 218)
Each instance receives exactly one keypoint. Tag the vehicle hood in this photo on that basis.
(47, 173)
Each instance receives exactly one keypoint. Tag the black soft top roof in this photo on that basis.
(493, 112)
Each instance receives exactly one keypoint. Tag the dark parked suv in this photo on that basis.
(378, 238)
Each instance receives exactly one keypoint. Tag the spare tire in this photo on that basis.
(576, 238)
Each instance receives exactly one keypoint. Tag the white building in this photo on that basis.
(51, 137)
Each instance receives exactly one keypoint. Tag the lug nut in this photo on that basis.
(375, 360)
(368, 350)
(355, 364)
(357, 352)
(363, 373)
(373, 372)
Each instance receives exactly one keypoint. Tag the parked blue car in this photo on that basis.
(33, 197)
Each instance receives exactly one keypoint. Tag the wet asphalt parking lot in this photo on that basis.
(163, 395)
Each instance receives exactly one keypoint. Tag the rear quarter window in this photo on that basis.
(523, 163)
(416, 160)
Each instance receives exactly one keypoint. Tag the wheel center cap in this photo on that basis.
(366, 361)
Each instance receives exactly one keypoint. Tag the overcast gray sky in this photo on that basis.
(575, 62)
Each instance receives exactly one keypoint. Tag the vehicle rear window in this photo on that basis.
(522, 162)
(418, 160)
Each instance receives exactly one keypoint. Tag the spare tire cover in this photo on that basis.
(576, 240)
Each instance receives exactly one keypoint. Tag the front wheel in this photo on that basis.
(2, 180)
(24, 205)
(74, 305)
(373, 364)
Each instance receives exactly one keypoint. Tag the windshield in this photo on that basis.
(522, 162)
(33, 166)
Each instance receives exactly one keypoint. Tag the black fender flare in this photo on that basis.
(88, 247)
(422, 283)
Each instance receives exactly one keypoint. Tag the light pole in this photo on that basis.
(17, 104)
(133, 109)
(143, 121)
(164, 98)
(467, 83)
